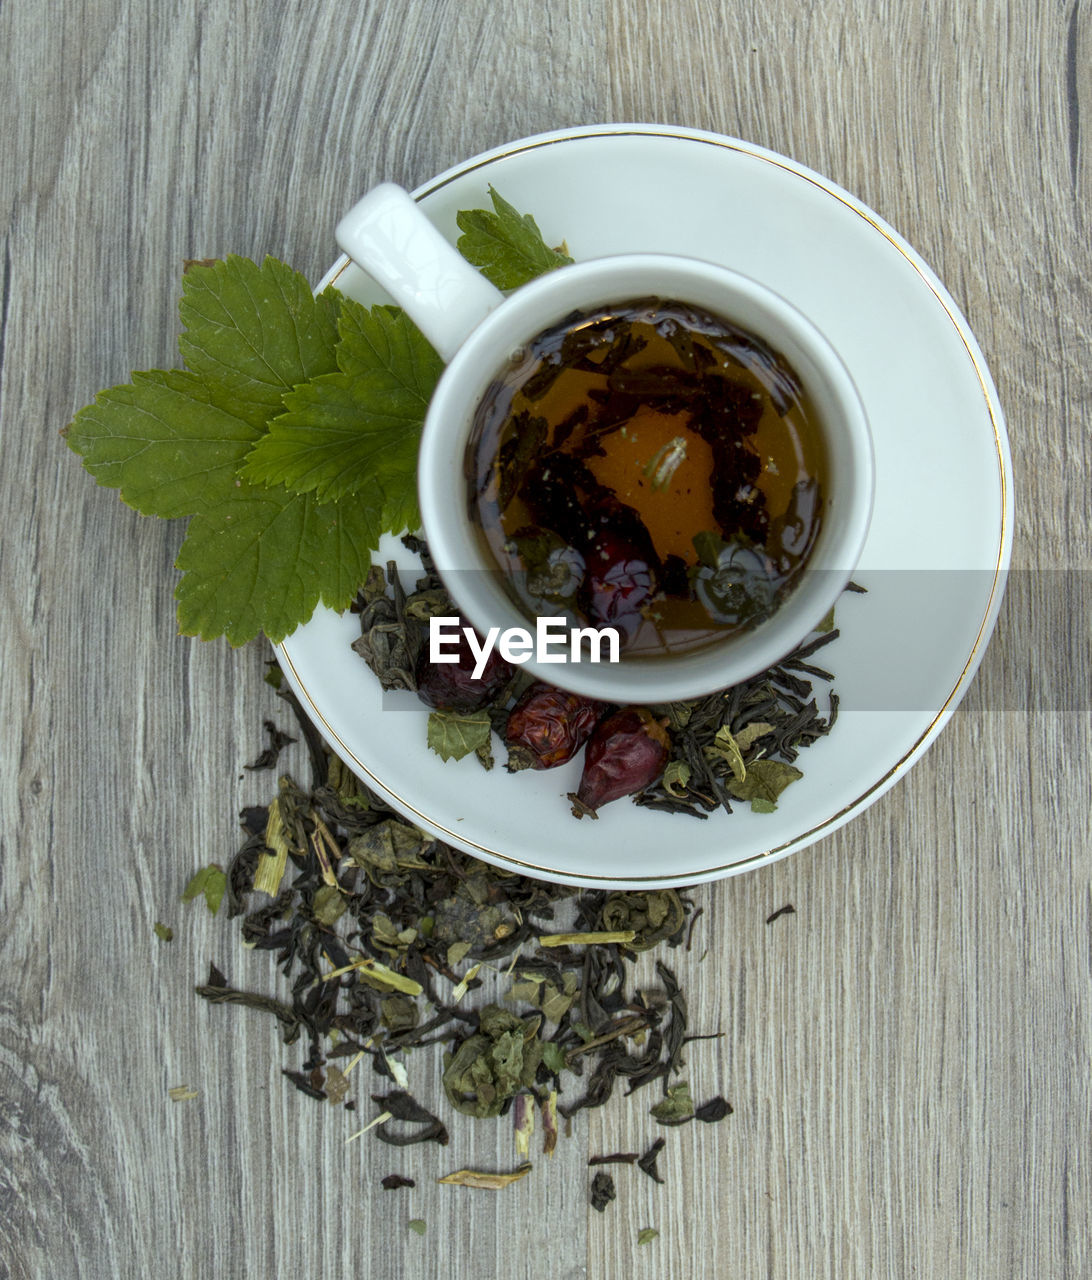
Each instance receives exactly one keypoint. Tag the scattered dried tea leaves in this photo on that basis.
(211, 882)
(163, 932)
(182, 1093)
(487, 1181)
(714, 742)
(646, 1235)
(393, 1181)
(378, 977)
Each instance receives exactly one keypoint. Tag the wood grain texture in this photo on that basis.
(908, 1054)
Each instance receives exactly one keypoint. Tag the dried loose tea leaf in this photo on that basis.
(417, 1225)
(714, 1110)
(646, 1235)
(765, 781)
(602, 1191)
(454, 734)
(163, 932)
(182, 1093)
(787, 910)
(677, 1106)
(210, 881)
(393, 1181)
(647, 1162)
(493, 1065)
(401, 1106)
(278, 740)
(488, 1181)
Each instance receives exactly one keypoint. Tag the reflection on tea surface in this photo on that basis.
(651, 467)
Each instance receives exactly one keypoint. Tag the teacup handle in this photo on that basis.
(387, 234)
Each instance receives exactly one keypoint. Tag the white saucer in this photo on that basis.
(935, 559)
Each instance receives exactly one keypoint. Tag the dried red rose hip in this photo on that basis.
(626, 752)
(548, 726)
(450, 686)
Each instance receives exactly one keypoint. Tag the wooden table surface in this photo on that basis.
(908, 1054)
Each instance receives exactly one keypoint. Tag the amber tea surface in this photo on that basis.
(648, 466)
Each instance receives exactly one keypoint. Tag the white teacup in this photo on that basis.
(475, 328)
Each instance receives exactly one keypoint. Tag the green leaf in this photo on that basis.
(328, 905)
(554, 1057)
(210, 881)
(750, 733)
(646, 1235)
(165, 440)
(765, 781)
(256, 331)
(506, 246)
(726, 746)
(454, 734)
(675, 779)
(163, 932)
(676, 1108)
(418, 1225)
(357, 431)
(262, 561)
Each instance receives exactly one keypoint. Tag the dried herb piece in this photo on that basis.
(647, 1162)
(619, 1157)
(764, 783)
(549, 1123)
(209, 881)
(163, 932)
(393, 1181)
(417, 1225)
(646, 1235)
(677, 1106)
(454, 734)
(523, 1121)
(182, 1093)
(713, 1111)
(652, 916)
(403, 1107)
(602, 1191)
(491, 1066)
(278, 740)
(488, 1181)
(217, 991)
(787, 910)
